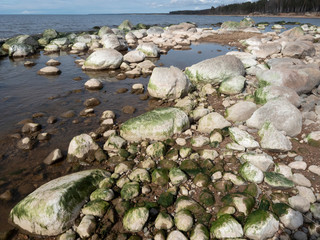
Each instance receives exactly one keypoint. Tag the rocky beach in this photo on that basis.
(226, 148)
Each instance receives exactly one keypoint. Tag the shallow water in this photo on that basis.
(23, 92)
(11, 25)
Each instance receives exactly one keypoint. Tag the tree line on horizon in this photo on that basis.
(261, 6)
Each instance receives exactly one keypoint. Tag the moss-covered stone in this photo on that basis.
(226, 210)
(160, 177)
(96, 208)
(277, 180)
(122, 206)
(168, 164)
(185, 152)
(156, 150)
(252, 189)
(207, 198)
(105, 194)
(52, 208)
(201, 180)
(200, 232)
(135, 219)
(172, 154)
(241, 201)
(226, 227)
(223, 186)
(130, 190)
(177, 176)
(166, 199)
(140, 175)
(190, 167)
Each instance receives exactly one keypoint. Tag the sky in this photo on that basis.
(105, 6)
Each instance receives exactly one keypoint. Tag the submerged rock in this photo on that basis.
(168, 83)
(52, 208)
(215, 70)
(159, 124)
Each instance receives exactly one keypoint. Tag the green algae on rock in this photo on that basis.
(159, 124)
(135, 219)
(52, 208)
(226, 227)
(277, 180)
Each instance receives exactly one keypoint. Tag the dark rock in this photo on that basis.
(52, 120)
(122, 90)
(128, 109)
(53, 157)
(68, 114)
(91, 102)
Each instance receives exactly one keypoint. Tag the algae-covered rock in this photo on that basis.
(166, 199)
(261, 161)
(243, 138)
(163, 221)
(212, 121)
(140, 175)
(149, 49)
(21, 39)
(135, 219)
(243, 202)
(314, 138)
(160, 176)
(183, 220)
(215, 70)
(130, 190)
(156, 150)
(96, 208)
(261, 224)
(290, 218)
(159, 124)
(81, 147)
(277, 180)
(105, 194)
(103, 59)
(126, 25)
(200, 232)
(251, 173)
(50, 34)
(52, 208)
(233, 85)
(226, 227)
(177, 176)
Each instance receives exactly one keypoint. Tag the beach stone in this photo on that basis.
(81, 147)
(284, 170)
(53, 157)
(68, 114)
(298, 165)
(83, 38)
(272, 139)
(301, 180)
(241, 111)
(114, 143)
(267, 49)
(156, 150)
(51, 48)
(233, 85)
(50, 218)
(128, 109)
(243, 202)
(61, 42)
(285, 62)
(140, 175)
(126, 25)
(21, 40)
(243, 138)
(25, 143)
(31, 127)
(261, 224)
(134, 56)
(103, 59)
(289, 217)
(53, 62)
(79, 46)
(111, 41)
(210, 154)
(183, 220)
(299, 203)
(149, 49)
(277, 180)
(199, 141)
(91, 102)
(87, 226)
(215, 70)
(198, 113)
(261, 161)
(50, 70)
(130, 190)
(26, 63)
(105, 194)
(146, 66)
(307, 193)
(137, 88)
(93, 84)
(177, 176)
(313, 138)
(20, 50)
(159, 124)
(163, 221)
(104, 30)
(131, 38)
(301, 80)
(50, 34)
(315, 209)
(248, 60)
(168, 83)
(236, 180)
(314, 169)
(68, 235)
(281, 113)
(135, 219)
(212, 121)
(200, 232)
(176, 235)
(186, 104)
(226, 227)
(97, 208)
(251, 173)
(155, 31)
(299, 235)
(269, 93)
(298, 49)
(293, 32)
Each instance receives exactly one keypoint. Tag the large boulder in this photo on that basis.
(21, 39)
(159, 124)
(134, 56)
(299, 49)
(103, 59)
(281, 113)
(113, 42)
(126, 25)
(155, 31)
(263, 95)
(215, 70)
(293, 33)
(52, 208)
(50, 34)
(267, 49)
(104, 30)
(20, 50)
(301, 80)
(168, 83)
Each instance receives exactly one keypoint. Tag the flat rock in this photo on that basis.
(212, 121)
(243, 138)
(241, 111)
(93, 84)
(50, 70)
(103, 59)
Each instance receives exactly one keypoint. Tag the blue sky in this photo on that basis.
(104, 6)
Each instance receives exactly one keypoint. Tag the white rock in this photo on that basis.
(292, 219)
(176, 235)
(243, 138)
(298, 165)
(103, 59)
(212, 121)
(299, 203)
(261, 161)
(93, 84)
(314, 169)
(81, 145)
(301, 180)
(134, 56)
(87, 226)
(241, 111)
(307, 193)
